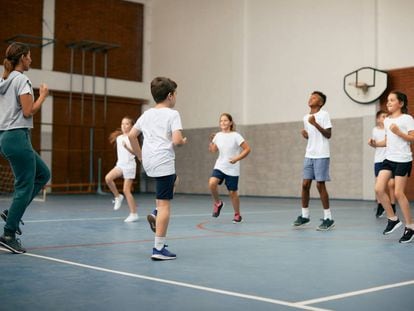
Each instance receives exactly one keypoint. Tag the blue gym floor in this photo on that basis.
(82, 256)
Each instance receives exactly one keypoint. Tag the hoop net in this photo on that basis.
(360, 86)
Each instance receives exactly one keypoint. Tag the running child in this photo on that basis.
(232, 148)
(317, 130)
(399, 134)
(161, 127)
(125, 167)
(378, 134)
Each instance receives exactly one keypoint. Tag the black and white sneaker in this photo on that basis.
(392, 226)
(326, 225)
(380, 211)
(408, 236)
(3, 216)
(12, 244)
(300, 221)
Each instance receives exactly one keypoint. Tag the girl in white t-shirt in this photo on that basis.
(125, 167)
(399, 134)
(232, 148)
(378, 134)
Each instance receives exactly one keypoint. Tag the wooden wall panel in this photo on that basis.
(112, 21)
(72, 135)
(21, 17)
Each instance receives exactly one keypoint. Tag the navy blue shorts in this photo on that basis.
(231, 182)
(377, 168)
(164, 187)
(397, 168)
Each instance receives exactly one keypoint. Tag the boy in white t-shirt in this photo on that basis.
(317, 130)
(399, 135)
(378, 134)
(161, 128)
(232, 148)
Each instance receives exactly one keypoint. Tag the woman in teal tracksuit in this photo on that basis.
(17, 107)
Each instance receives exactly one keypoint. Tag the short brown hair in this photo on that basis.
(161, 87)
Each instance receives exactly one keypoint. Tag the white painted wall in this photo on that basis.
(199, 44)
(297, 46)
(260, 59)
(395, 33)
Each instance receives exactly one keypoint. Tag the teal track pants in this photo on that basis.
(30, 173)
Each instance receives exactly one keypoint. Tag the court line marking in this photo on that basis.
(180, 284)
(354, 293)
(115, 218)
(172, 216)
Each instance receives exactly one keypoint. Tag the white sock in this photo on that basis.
(327, 214)
(159, 242)
(394, 218)
(305, 212)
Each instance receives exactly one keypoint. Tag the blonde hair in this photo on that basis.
(112, 137)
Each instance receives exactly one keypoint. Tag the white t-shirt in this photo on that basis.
(126, 160)
(378, 135)
(318, 145)
(228, 145)
(157, 126)
(398, 149)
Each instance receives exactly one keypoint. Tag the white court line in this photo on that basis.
(172, 216)
(354, 293)
(115, 218)
(181, 284)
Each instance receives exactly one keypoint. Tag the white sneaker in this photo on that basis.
(118, 202)
(132, 218)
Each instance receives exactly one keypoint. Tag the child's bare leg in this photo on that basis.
(128, 195)
(235, 200)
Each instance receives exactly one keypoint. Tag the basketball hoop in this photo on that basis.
(365, 85)
(361, 86)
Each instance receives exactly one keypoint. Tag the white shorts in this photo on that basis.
(128, 172)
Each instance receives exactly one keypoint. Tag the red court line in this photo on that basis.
(123, 242)
(270, 233)
(277, 233)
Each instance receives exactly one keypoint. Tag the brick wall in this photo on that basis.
(21, 17)
(112, 21)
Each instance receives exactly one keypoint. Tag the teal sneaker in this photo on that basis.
(300, 221)
(326, 225)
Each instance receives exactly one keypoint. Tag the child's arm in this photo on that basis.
(373, 143)
(325, 132)
(396, 130)
(212, 147)
(304, 134)
(246, 150)
(133, 139)
(178, 139)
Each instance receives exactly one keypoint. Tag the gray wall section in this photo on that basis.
(274, 167)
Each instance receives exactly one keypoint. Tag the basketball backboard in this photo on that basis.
(365, 85)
